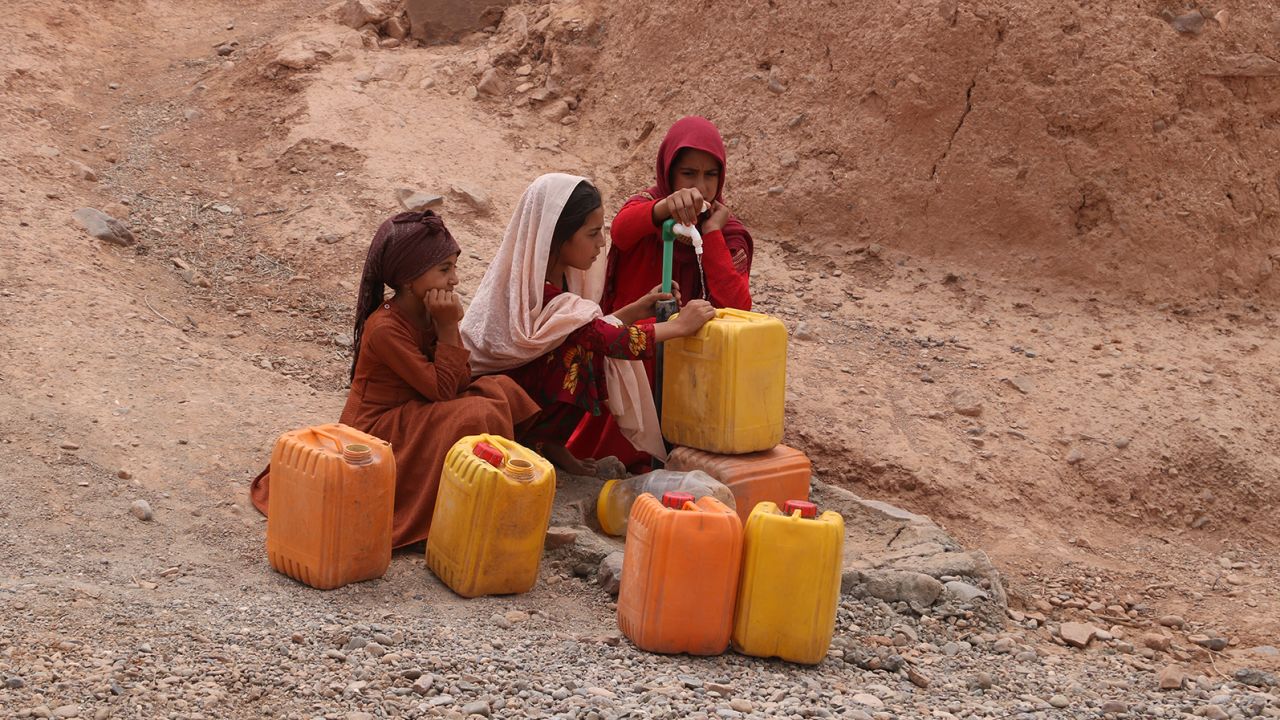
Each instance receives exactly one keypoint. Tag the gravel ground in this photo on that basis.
(404, 647)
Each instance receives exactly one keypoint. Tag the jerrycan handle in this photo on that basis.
(322, 434)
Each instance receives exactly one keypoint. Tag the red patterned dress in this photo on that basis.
(569, 382)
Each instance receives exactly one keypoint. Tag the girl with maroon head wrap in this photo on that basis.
(411, 377)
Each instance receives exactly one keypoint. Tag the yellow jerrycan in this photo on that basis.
(491, 517)
(790, 583)
(724, 389)
(329, 514)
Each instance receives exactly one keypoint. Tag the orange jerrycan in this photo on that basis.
(790, 586)
(491, 517)
(333, 491)
(775, 475)
(680, 574)
(723, 389)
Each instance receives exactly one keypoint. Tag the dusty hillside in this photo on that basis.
(1105, 428)
(1093, 143)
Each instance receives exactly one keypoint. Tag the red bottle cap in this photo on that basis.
(489, 454)
(676, 500)
(807, 509)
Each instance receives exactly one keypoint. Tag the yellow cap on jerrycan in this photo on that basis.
(790, 583)
(724, 388)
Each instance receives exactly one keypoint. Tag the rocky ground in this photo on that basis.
(1104, 465)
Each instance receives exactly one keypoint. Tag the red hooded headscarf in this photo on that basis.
(694, 133)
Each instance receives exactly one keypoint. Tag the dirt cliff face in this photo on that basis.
(1128, 146)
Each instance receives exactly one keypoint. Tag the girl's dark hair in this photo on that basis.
(584, 200)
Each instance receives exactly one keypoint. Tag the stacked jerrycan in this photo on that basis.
(491, 517)
(723, 393)
(329, 514)
(693, 580)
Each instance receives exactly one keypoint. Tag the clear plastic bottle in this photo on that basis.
(613, 506)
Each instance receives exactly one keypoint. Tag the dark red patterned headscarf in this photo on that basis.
(404, 247)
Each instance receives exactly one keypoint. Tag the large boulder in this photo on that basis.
(445, 20)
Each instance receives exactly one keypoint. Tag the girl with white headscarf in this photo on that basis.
(536, 317)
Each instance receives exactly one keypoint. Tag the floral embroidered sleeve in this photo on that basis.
(626, 342)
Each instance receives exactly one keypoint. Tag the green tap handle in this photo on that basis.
(668, 245)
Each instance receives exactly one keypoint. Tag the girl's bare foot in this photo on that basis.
(560, 456)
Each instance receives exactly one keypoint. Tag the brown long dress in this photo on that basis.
(419, 396)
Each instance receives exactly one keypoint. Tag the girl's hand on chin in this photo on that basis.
(444, 306)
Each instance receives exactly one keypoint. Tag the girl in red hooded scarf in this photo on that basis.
(691, 172)
(690, 175)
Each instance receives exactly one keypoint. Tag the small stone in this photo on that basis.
(1077, 634)
(1156, 641)
(609, 574)
(741, 705)
(1213, 712)
(558, 537)
(1075, 456)
(804, 333)
(1021, 383)
(297, 638)
(480, 707)
(868, 700)
(983, 681)
(68, 445)
(1172, 621)
(1115, 707)
(964, 592)
(1172, 677)
(335, 655)
(1122, 443)
(474, 197)
(415, 201)
(423, 684)
(966, 403)
(84, 172)
(375, 649)
(1059, 701)
(1004, 645)
(490, 83)
(1191, 23)
(439, 700)
(15, 683)
(104, 227)
(358, 13)
(1255, 678)
(141, 509)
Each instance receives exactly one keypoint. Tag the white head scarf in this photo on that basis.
(507, 325)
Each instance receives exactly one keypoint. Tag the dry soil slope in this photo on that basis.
(1086, 141)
